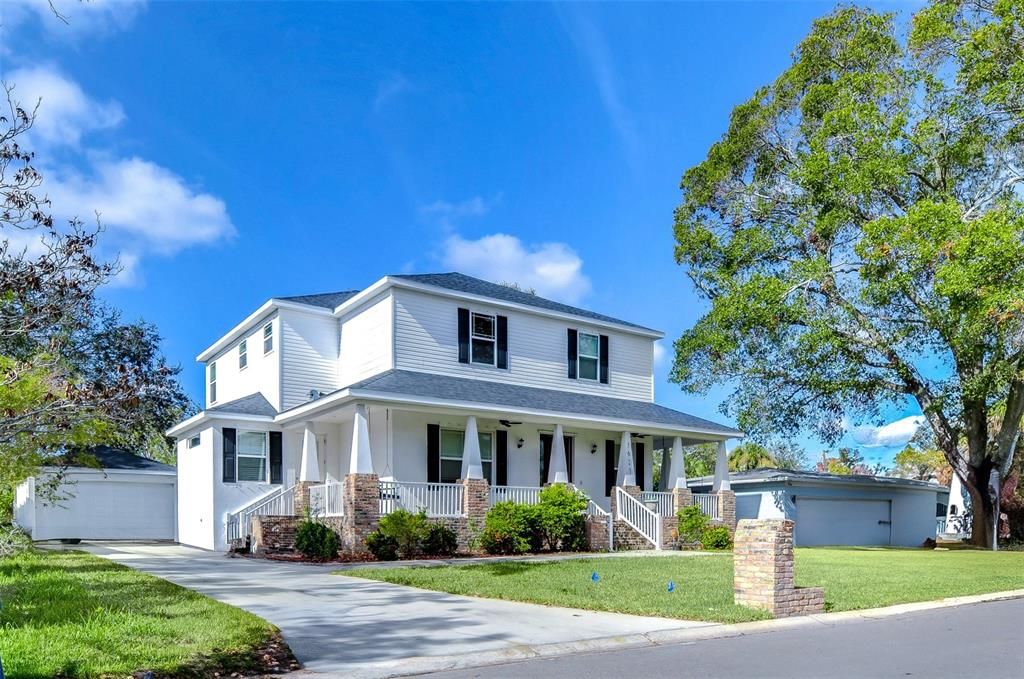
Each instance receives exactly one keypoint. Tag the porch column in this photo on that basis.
(360, 459)
(558, 471)
(721, 481)
(682, 496)
(627, 468)
(309, 466)
(472, 465)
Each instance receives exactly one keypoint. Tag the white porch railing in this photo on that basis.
(436, 499)
(940, 526)
(708, 503)
(280, 502)
(524, 495)
(638, 516)
(327, 499)
(664, 499)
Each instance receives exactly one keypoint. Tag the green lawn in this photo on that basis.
(71, 614)
(853, 578)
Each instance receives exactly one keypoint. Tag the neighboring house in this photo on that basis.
(832, 509)
(388, 380)
(127, 498)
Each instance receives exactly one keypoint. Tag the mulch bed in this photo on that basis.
(273, 657)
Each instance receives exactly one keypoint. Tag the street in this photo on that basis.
(978, 640)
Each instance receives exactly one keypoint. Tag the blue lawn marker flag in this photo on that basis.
(671, 586)
(593, 576)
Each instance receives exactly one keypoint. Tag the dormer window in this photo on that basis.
(243, 357)
(483, 342)
(588, 356)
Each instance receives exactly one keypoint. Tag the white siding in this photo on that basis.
(366, 341)
(195, 468)
(261, 374)
(426, 339)
(309, 349)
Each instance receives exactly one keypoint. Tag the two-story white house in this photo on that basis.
(390, 379)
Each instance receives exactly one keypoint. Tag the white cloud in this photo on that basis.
(391, 87)
(142, 203)
(447, 213)
(896, 433)
(65, 112)
(77, 18)
(552, 269)
(144, 208)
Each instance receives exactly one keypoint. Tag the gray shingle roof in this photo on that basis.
(116, 458)
(327, 300)
(773, 475)
(253, 404)
(510, 395)
(475, 286)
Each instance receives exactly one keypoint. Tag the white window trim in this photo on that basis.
(211, 382)
(492, 461)
(596, 357)
(196, 439)
(243, 355)
(493, 339)
(265, 457)
(269, 325)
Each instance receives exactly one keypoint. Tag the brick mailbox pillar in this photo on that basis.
(727, 509)
(763, 570)
(361, 500)
(681, 497)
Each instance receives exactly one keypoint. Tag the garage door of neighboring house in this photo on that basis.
(843, 521)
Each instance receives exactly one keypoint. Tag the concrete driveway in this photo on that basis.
(360, 628)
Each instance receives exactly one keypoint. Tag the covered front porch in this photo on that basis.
(456, 462)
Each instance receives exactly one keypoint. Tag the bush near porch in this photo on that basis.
(853, 578)
(555, 523)
(71, 614)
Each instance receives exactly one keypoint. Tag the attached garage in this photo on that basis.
(830, 509)
(128, 498)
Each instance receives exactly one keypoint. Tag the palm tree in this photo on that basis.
(750, 455)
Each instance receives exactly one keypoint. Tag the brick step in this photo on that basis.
(626, 538)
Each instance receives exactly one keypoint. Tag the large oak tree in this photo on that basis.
(859, 234)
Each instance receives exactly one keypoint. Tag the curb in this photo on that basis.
(426, 664)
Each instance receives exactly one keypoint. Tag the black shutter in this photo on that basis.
(501, 463)
(229, 455)
(275, 457)
(545, 465)
(602, 368)
(571, 354)
(502, 341)
(568, 441)
(638, 455)
(609, 466)
(434, 453)
(463, 335)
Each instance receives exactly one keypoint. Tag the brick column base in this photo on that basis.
(631, 490)
(362, 511)
(681, 497)
(727, 509)
(763, 570)
(301, 502)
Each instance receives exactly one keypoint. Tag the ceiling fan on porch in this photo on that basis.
(507, 423)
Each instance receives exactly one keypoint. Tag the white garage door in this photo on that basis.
(841, 521)
(125, 507)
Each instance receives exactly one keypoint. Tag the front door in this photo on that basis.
(545, 456)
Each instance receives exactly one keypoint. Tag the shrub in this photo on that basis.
(440, 540)
(716, 537)
(508, 528)
(316, 540)
(692, 524)
(406, 529)
(560, 518)
(383, 547)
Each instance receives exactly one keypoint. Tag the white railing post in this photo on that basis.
(638, 516)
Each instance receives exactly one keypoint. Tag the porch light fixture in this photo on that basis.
(593, 448)
(519, 443)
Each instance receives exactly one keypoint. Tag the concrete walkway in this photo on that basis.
(361, 628)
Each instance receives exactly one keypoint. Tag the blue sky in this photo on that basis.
(241, 151)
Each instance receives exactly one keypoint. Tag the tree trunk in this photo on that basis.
(982, 507)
